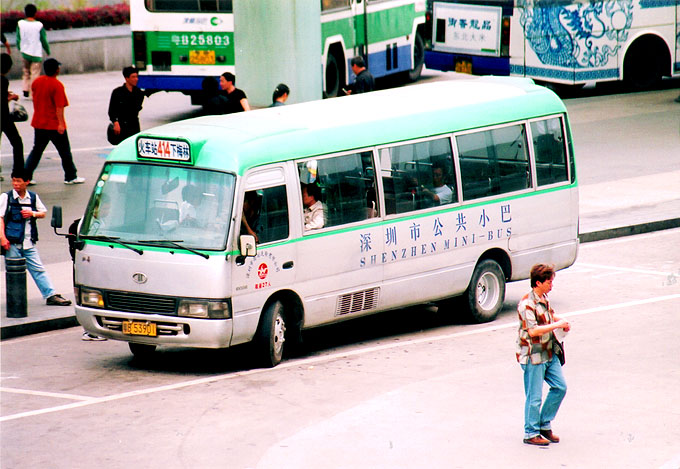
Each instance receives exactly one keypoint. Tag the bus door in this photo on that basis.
(340, 264)
(360, 28)
(264, 211)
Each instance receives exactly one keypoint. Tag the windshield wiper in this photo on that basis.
(112, 239)
(175, 243)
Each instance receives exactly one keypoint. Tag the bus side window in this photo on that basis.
(418, 175)
(494, 161)
(551, 160)
(271, 224)
(347, 185)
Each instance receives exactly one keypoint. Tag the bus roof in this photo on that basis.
(237, 142)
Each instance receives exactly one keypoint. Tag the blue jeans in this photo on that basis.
(34, 266)
(537, 418)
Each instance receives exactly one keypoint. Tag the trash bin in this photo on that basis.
(15, 279)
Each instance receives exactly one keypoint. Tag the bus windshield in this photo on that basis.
(151, 204)
(206, 6)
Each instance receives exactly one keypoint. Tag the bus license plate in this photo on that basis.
(202, 57)
(139, 328)
(464, 66)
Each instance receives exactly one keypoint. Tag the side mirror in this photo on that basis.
(247, 245)
(56, 217)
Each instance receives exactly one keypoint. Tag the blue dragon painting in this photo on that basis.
(576, 35)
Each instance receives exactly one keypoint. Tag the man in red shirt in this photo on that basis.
(49, 101)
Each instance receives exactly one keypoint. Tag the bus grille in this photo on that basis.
(357, 301)
(141, 303)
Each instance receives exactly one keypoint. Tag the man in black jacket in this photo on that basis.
(125, 104)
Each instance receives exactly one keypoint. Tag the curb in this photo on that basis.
(630, 230)
(35, 327)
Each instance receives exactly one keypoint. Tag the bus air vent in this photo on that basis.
(358, 301)
(141, 303)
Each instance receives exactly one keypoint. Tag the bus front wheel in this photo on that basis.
(271, 335)
(486, 292)
(141, 351)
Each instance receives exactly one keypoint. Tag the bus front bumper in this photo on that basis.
(169, 330)
(481, 65)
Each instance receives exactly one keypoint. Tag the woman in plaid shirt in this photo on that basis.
(537, 321)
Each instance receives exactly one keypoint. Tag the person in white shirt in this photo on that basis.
(31, 40)
(440, 193)
(314, 209)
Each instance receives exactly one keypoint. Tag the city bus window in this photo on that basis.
(269, 213)
(418, 175)
(494, 161)
(221, 6)
(334, 4)
(347, 185)
(551, 159)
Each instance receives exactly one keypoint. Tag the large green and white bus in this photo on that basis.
(177, 43)
(442, 192)
(565, 42)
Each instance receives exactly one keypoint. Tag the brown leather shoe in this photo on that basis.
(58, 300)
(549, 435)
(538, 440)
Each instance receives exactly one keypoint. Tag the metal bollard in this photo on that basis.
(15, 279)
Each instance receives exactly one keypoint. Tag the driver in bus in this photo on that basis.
(191, 198)
(441, 194)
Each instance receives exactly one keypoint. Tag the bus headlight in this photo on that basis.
(204, 309)
(91, 298)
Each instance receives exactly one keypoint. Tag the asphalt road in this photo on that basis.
(406, 389)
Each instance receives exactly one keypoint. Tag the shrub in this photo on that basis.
(65, 19)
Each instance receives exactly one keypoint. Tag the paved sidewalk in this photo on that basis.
(607, 210)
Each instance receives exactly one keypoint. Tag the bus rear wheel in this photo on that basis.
(333, 84)
(418, 58)
(486, 292)
(271, 335)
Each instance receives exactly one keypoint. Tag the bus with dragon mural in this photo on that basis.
(563, 42)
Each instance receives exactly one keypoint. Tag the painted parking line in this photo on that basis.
(59, 395)
(322, 358)
(625, 269)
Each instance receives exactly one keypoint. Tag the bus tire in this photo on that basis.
(332, 76)
(418, 58)
(141, 351)
(271, 335)
(486, 292)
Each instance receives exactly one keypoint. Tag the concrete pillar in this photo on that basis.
(278, 41)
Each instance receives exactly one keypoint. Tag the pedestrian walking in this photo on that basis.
(9, 128)
(280, 95)
(536, 345)
(5, 43)
(124, 106)
(19, 233)
(364, 81)
(49, 101)
(238, 101)
(31, 40)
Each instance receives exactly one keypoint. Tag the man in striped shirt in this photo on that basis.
(535, 343)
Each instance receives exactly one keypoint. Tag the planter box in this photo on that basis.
(83, 49)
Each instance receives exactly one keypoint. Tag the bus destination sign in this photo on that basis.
(163, 149)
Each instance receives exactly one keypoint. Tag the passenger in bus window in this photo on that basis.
(314, 216)
(251, 214)
(238, 101)
(440, 193)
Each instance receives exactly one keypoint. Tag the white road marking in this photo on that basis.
(626, 269)
(305, 362)
(46, 394)
(73, 150)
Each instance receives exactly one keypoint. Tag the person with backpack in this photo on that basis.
(19, 233)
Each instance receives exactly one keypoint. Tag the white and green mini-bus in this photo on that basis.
(195, 232)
